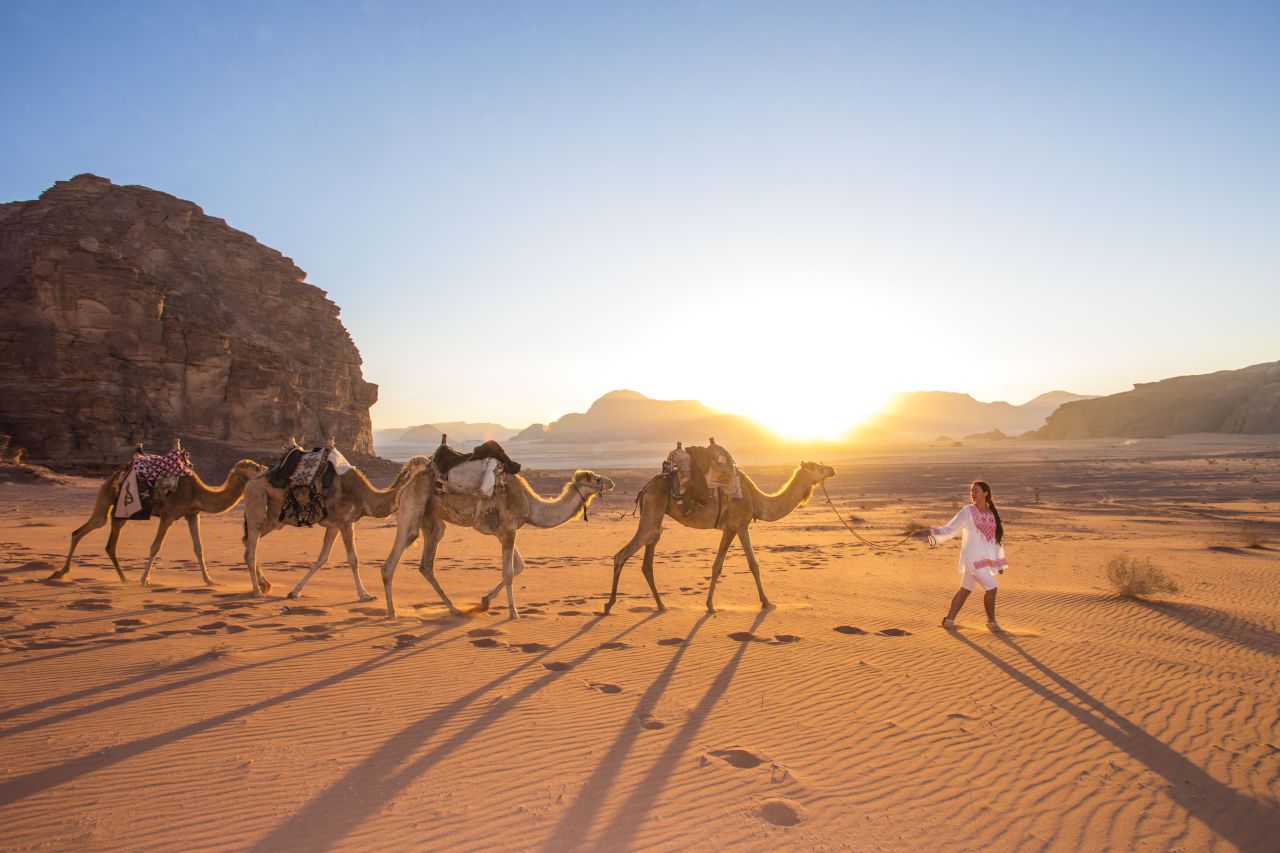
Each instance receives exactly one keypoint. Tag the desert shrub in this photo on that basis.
(913, 526)
(1134, 578)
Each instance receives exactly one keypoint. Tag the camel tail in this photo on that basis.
(244, 524)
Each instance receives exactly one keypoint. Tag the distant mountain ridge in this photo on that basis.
(627, 415)
(933, 412)
(1244, 401)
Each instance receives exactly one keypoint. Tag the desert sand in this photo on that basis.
(185, 717)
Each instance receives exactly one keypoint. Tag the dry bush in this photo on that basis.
(913, 526)
(1134, 578)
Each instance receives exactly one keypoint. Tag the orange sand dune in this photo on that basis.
(189, 718)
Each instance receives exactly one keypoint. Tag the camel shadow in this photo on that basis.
(1238, 818)
(1219, 623)
(367, 788)
(630, 816)
(17, 788)
(572, 829)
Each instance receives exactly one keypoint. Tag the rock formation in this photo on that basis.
(131, 316)
(1229, 401)
(631, 416)
(929, 412)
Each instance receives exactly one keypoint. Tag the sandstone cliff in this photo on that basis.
(130, 315)
(631, 416)
(1229, 401)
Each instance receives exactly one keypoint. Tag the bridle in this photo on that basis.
(587, 497)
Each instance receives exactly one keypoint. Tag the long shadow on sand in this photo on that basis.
(150, 692)
(631, 815)
(368, 787)
(573, 827)
(1240, 819)
(1219, 623)
(18, 788)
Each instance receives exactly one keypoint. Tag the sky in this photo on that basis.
(785, 210)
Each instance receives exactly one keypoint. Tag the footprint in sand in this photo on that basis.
(368, 611)
(484, 632)
(742, 636)
(406, 640)
(236, 629)
(484, 643)
(91, 604)
(614, 645)
(848, 629)
(571, 613)
(639, 609)
(740, 758)
(649, 723)
(530, 648)
(267, 625)
(780, 812)
(178, 608)
(212, 626)
(894, 632)
(672, 641)
(604, 687)
(314, 629)
(557, 666)
(303, 610)
(783, 639)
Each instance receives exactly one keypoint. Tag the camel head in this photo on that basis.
(816, 471)
(589, 482)
(248, 469)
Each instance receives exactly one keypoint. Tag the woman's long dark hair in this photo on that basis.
(991, 505)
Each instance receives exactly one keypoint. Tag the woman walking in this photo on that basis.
(981, 551)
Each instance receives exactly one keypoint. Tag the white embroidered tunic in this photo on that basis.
(978, 546)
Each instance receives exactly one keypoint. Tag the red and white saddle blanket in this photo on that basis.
(145, 471)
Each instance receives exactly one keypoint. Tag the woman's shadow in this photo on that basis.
(1234, 816)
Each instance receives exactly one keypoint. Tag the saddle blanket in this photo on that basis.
(309, 466)
(477, 477)
(150, 478)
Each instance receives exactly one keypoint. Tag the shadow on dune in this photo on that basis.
(576, 822)
(631, 815)
(368, 787)
(1240, 819)
(1221, 624)
(18, 788)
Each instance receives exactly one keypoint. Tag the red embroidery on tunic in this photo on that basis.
(986, 523)
(991, 564)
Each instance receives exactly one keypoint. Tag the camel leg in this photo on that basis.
(193, 524)
(99, 518)
(509, 575)
(519, 567)
(648, 575)
(349, 542)
(725, 540)
(259, 585)
(405, 534)
(432, 533)
(745, 538)
(161, 532)
(112, 538)
(645, 538)
(330, 535)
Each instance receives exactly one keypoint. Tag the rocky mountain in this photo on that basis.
(932, 412)
(132, 316)
(1228, 401)
(631, 416)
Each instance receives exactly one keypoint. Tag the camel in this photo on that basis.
(500, 516)
(352, 498)
(190, 498)
(735, 520)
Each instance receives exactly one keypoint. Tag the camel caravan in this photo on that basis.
(699, 487)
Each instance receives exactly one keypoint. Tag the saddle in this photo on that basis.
(307, 477)
(714, 475)
(149, 479)
(446, 458)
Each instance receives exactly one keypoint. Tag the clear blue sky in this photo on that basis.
(784, 209)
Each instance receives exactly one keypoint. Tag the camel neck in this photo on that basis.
(553, 513)
(781, 503)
